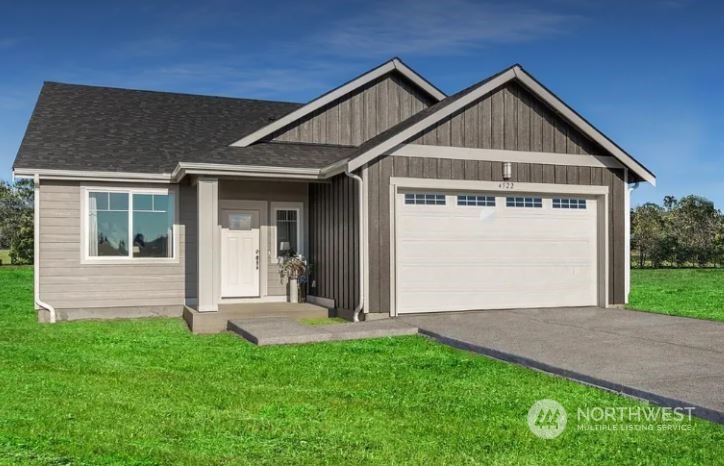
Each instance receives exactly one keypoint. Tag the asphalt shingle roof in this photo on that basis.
(76, 127)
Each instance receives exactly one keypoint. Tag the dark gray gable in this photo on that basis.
(509, 118)
(359, 115)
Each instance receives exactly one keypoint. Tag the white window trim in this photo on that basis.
(299, 208)
(87, 259)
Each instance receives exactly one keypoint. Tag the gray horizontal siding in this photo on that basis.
(334, 241)
(417, 167)
(359, 115)
(66, 283)
(509, 118)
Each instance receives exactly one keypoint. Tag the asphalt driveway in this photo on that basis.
(672, 361)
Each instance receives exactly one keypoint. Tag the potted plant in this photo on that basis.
(293, 267)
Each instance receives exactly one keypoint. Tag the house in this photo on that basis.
(404, 199)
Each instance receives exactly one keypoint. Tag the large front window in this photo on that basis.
(130, 224)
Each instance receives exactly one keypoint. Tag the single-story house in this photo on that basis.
(403, 199)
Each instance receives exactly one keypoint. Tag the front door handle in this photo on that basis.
(257, 259)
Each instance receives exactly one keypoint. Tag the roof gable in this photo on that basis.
(359, 115)
(509, 118)
(328, 101)
(423, 121)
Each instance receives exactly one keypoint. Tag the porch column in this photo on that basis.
(207, 191)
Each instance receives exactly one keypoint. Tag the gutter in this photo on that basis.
(362, 236)
(185, 168)
(36, 251)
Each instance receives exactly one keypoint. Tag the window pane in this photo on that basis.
(287, 232)
(100, 200)
(107, 229)
(142, 202)
(153, 229)
(161, 203)
(112, 237)
(240, 221)
(119, 201)
(425, 199)
(107, 224)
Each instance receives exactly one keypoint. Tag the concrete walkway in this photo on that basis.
(282, 330)
(671, 361)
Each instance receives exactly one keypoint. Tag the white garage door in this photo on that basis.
(463, 251)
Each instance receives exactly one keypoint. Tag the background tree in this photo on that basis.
(16, 220)
(694, 224)
(647, 232)
(669, 202)
(687, 231)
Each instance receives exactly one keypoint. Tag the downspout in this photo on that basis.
(630, 187)
(362, 236)
(36, 250)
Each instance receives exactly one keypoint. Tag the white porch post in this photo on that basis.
(207, 191)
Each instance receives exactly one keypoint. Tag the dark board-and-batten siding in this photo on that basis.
(360, 115)
(509, 118)
(334, 241)
(380, 172)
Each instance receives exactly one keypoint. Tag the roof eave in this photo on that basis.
(582, 124)
(514, 72)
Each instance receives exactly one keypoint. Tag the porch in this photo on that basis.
(243, 228)
(215, 322)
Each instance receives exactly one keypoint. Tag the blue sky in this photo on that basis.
(648, 74)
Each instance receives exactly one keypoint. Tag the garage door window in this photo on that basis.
(564, 203)
(474, 200)
(534, 202)
(425, 199)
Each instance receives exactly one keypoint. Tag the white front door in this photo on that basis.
(240, 260)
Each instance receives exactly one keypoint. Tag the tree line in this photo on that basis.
(686, 232)
(16, 220)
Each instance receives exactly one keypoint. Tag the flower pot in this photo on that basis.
(293, 290)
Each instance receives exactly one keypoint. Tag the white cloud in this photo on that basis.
(429, 27)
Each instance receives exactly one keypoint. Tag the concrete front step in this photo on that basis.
(282, 331)
(215, 322)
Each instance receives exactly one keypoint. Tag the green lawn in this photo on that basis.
(683, 292)
(4, 256)
(149, 392)
(323, 321)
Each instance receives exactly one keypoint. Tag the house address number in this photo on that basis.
(506, 185)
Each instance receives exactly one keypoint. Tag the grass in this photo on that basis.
(5, 256)
(149, 392)
(695, 293)
(323, 321)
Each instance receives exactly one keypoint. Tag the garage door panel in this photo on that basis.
(464, 301)
(451, 228)
(492, 278)
(463, 257)
(496, 251)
